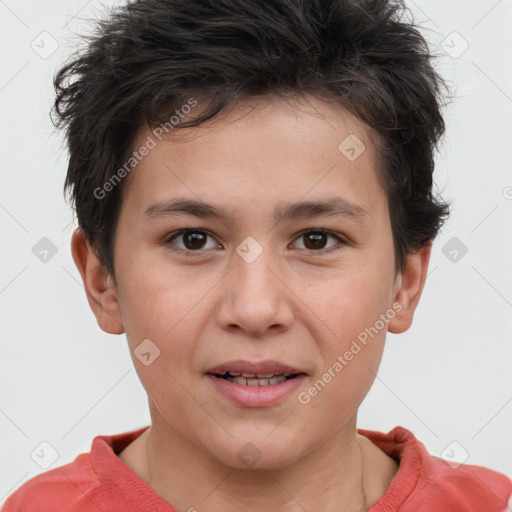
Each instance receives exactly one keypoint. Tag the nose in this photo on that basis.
(255, 297)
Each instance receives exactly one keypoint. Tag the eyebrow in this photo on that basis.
(334, 206)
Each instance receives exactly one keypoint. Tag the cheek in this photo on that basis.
(348, 305)
(351, 336)
(156, 302)
(351, 349)
(168, 312)
(161, 327)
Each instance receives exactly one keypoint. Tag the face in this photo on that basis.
(294, 273)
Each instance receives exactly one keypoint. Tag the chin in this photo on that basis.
(258, 453)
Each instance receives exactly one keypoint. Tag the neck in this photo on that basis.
(331, 478)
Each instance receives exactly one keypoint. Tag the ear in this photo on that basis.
(408, 288)
(101, 293)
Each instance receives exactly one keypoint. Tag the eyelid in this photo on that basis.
(342, 240)
(176, 234)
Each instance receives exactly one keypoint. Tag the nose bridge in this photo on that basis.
(255, 264)
(255, 270)
(256, 298)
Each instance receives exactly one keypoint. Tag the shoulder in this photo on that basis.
(470, 487)
(426, 482)
(97, 480)
(51, 490)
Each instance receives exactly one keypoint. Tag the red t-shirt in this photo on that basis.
(99, 481)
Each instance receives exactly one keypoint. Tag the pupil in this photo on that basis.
(317, 239)
(194, 240)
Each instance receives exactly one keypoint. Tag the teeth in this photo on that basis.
(244, 381)
(276, 380)
(258, 375)
(256, 379)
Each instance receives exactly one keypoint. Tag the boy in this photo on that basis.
(253, 185)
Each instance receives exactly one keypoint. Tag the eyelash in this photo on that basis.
(321, 231)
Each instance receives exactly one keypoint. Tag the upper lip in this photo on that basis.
(243, 366)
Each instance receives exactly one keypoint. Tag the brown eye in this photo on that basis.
(316, 240)
(192, 240)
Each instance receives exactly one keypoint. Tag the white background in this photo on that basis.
(64, 381)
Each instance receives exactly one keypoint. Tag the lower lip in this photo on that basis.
(256, 396)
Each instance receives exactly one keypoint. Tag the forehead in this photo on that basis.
(265, 149)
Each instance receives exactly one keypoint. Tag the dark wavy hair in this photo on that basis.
(149, 56)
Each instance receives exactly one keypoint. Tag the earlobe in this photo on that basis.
(410, 284)
(101, 294)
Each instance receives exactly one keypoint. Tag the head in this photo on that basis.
(246, 107)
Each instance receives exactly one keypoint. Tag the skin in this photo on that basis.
(291, 304)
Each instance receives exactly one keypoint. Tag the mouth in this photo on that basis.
(255, 383)
(256, 379)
